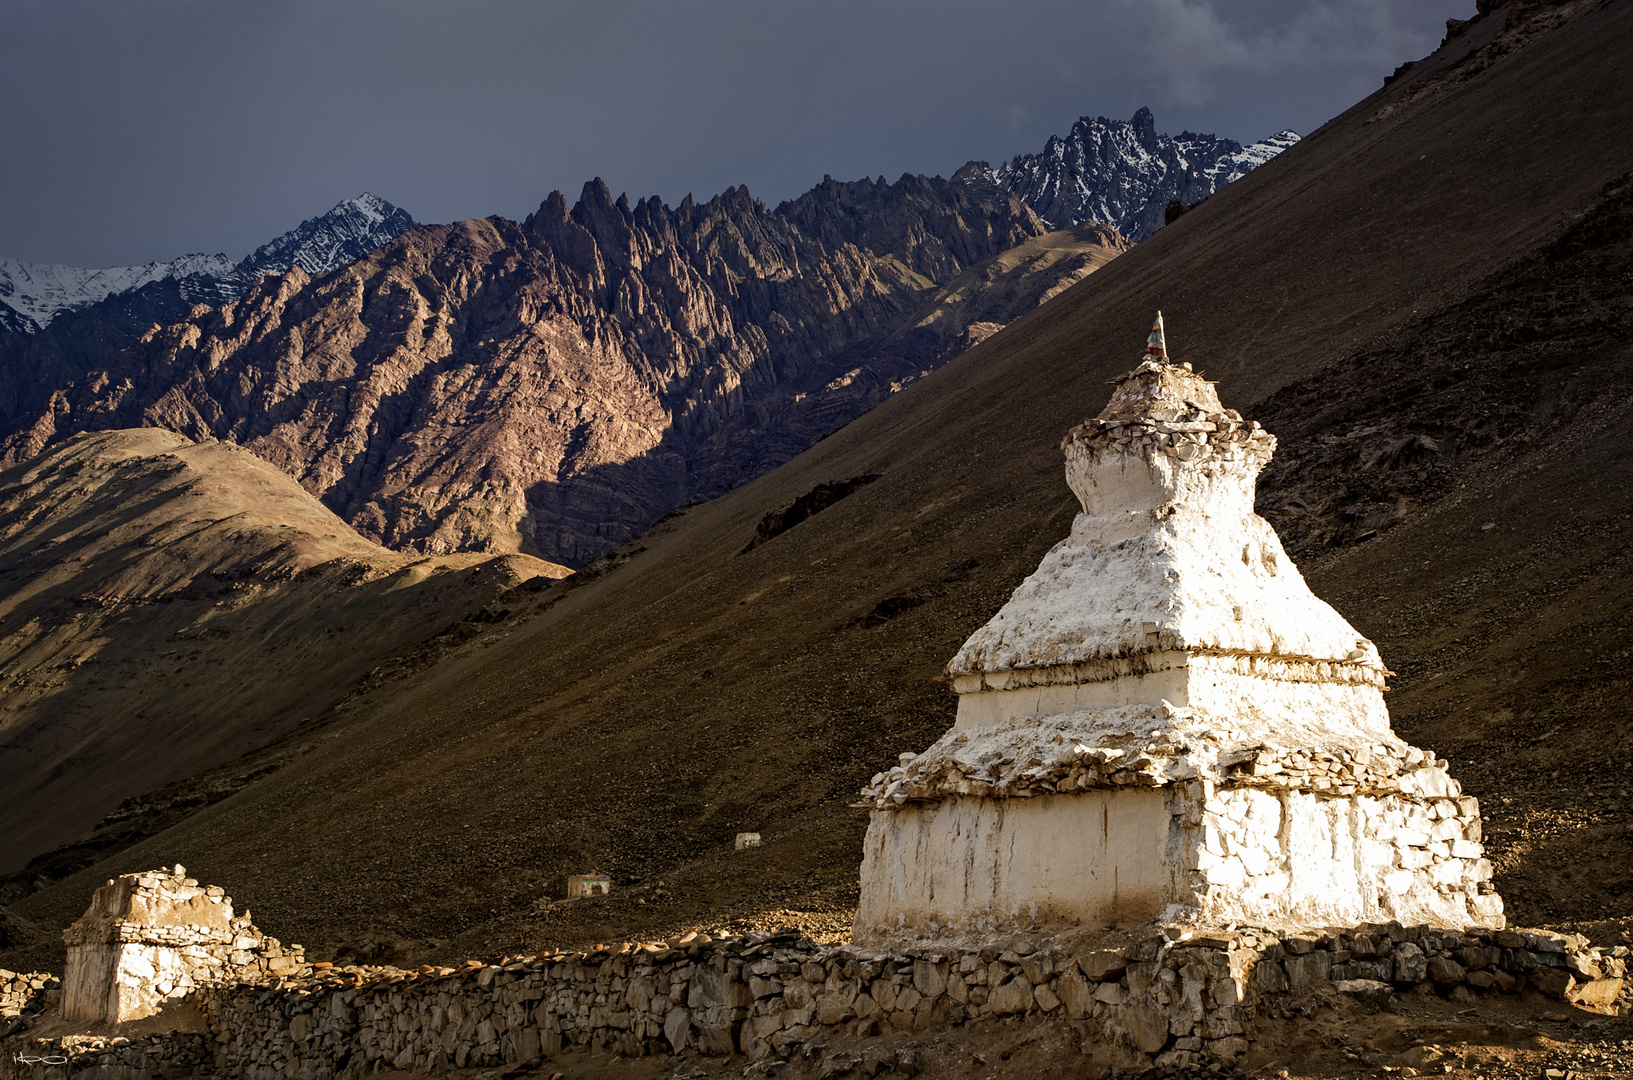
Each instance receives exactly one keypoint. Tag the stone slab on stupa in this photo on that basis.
(1164, 722)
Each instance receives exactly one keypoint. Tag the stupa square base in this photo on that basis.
(1295, 858)
(1187, 852)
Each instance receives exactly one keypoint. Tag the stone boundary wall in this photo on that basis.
(1176, 999)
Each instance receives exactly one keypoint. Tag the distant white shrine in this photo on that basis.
(583, 886)
(1164, 722)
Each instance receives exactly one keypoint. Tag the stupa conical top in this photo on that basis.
(1165, 720)
(1170, 586)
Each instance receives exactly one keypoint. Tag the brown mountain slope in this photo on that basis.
(1017, 280)
(166, 606)
(1447, 252)
(556, 385)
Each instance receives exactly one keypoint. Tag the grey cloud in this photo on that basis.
(140, 131)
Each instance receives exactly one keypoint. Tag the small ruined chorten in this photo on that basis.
(1164, 722)
(149, 939)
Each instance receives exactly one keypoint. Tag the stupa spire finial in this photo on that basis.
(1156, 346)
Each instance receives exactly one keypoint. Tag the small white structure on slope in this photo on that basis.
(1164, 722)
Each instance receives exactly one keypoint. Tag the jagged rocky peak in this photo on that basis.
(317, 245)
(1121, 172)
(932, 225)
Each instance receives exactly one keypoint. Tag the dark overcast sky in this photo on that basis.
(142, 130)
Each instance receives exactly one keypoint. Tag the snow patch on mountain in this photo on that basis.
(33, 294)
(1253, 155)
(38, 292)
(1121, 172)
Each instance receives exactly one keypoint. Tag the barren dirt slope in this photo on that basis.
(166, 606)
(1427, 299)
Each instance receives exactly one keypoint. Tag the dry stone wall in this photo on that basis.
(1172, 999)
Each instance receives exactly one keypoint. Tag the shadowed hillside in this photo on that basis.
(167, 606)
(1426, 301)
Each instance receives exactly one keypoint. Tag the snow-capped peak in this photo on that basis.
(1122, 172)
(369, 206)
(1255, 154)
(39, 292)
(36, 293)
(341, 236)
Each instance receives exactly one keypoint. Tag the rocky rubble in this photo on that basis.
(27, 993)
(1176, 996)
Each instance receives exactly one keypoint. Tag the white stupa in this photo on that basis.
(1164, 722)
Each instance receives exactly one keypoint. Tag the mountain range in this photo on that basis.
(1110, 172)
(33, 294)
(556, 385)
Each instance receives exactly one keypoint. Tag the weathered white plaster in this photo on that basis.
(968, 865)
(88, 981)
(1167, 553)
(1263, 705)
